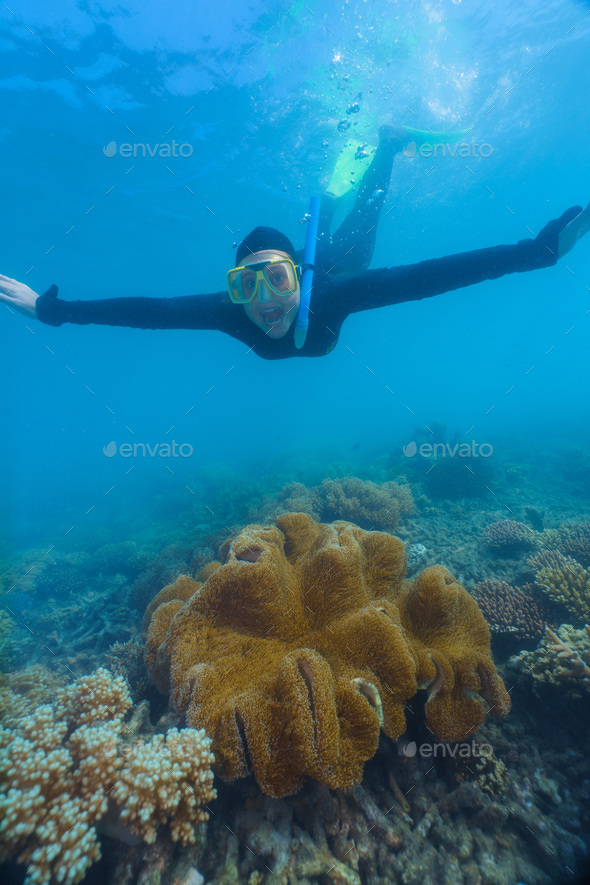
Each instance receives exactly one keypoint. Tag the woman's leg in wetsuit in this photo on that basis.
(323, 249)
(352, 246)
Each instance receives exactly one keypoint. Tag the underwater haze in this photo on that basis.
(140, 142)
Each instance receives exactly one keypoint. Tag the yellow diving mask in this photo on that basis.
(280, 275)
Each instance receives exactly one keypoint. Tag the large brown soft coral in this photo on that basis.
(308, 641)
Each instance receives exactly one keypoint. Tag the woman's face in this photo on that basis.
(271, 312)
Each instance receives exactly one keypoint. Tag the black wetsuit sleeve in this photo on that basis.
(185, 312)
(394, 285)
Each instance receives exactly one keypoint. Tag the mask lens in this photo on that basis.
(242, 285)
(248, 283)
(280, 277)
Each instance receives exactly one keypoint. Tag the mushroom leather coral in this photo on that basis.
(307, 641)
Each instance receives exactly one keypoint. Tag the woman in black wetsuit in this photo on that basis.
(262, 298)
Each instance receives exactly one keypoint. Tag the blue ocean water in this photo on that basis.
(258, 93)
(141, 141)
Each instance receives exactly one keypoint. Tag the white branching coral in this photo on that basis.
(166, 781)
(94, 698)
(61, 772)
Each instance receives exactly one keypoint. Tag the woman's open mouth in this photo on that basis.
(273, 316)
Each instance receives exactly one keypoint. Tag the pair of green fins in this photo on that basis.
(350, 167)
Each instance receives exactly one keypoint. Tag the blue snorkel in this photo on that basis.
(302, 321)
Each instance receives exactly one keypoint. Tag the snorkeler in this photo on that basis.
(263, 292)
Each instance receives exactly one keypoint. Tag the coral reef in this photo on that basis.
(368, 504)
(491, 774)
(24, 690)
(508, 536)
(561, 660)
(61, 578)
(510, 611)
(21, 573)
(62, 773)
(121, 557)
(517, 813)
(173, 560)
(572, 539)
(562, 568)
(307, 641)
(297, 498)
(7, 626)
(82, 625)
(481, 822)
(564, 581)
(551, 559)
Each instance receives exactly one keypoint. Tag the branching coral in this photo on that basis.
(307, 641)
(564, 580)
(572, 539)
(509, 610)
(509, 535)
(167, 782)
(551, 559)
(561, 660)
(22, 691)
(61, 772)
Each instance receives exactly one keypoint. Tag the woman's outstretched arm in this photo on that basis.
(213, 312)
(393, 285)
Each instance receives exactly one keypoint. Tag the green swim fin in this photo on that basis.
(350, 167)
